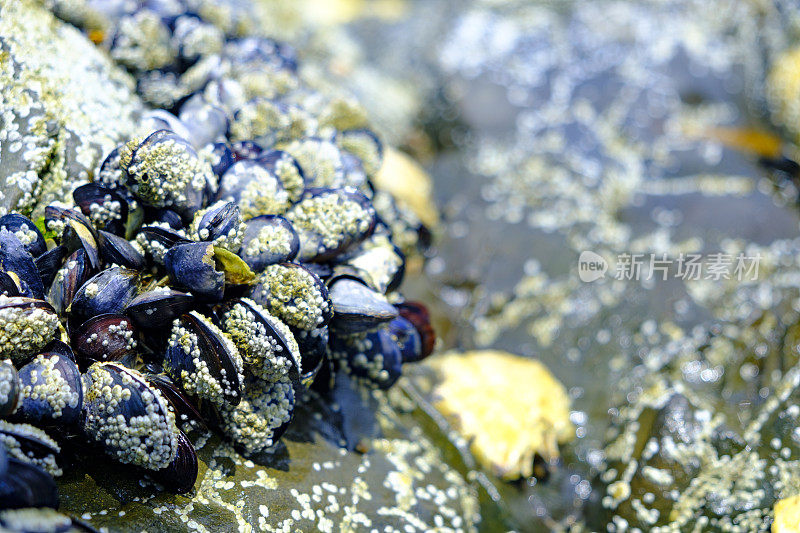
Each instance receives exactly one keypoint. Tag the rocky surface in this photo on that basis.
(563, 135)
(64, 106)
(399, 480)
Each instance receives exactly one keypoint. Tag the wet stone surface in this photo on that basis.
(310, 481)
(574, 136)
(64, 105)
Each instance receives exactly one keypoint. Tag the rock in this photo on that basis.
(308, 483)
(64, 106)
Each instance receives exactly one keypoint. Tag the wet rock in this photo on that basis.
(307, 482)
(64, 105)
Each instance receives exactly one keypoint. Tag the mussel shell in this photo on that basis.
(221, 158)
(255, 189)
(268, 239)
(9, 389)
(183, 407)
(267, 345)
(69, 279)
(110, 291)
(128, 416)
(158, 239)
(418, 315)
(191, 266)
(259, 420)
(321, 161)
(181, 474)
(365, 145)
(31, 445)
(26, 231)
(272, 122)
(372, 359)
(23, 485)
(205, 123)
(12, 285)
(15, 258)
(77, 232)
(153, 309)
(356, 307)
(220, 223)
(165, 171)
(383, 262)
(107, 337)
(330, 221)
(313, 352)
(103, 206)
(49, 262)
(203, 360)
(51, 390)
(407, 338)
(294, 294)
(285, 167)
(26, 326)
(115, 250)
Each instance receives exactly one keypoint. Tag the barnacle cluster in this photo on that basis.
(197, 276)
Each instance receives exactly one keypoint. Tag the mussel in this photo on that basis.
(109, 291)
(220, 224)
(329, 221)
(23, 486)
(268, 348)
(192, 266)
(294, 294)
(357, 307)
(204, 360)
(50, 390)
(128, 417)
(165, 171)
(268, 239)
(26, 231)
(26, 326)
(106, 337)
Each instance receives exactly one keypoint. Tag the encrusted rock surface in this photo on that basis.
(63, 105)
(401, 481)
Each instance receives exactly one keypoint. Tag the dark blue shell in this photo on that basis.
(15, 222)
(191, 265)
(110, 291)
(23, 485)
(407, 338)
(222, 158)
(15, 258)
(37, 406)
(373, 359)
(266, 257)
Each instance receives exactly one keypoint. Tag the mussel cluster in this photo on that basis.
(220, 264)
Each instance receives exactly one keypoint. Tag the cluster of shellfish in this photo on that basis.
(217, 266)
